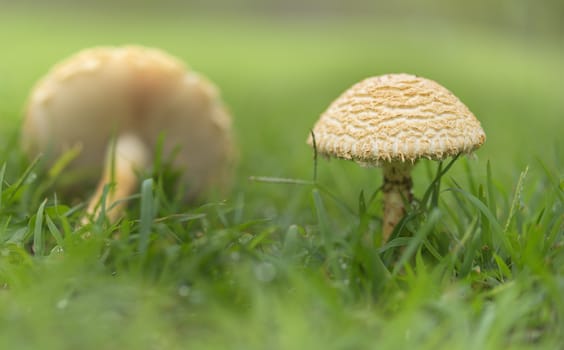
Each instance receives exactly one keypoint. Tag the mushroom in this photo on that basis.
(391, 121)
(116, 103)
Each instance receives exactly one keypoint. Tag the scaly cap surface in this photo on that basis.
(397, 117)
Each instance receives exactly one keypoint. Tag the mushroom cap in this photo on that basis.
(396, 117)
(103, 92)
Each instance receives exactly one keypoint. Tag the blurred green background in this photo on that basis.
(280, 63)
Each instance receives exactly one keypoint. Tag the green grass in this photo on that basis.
(479, 263)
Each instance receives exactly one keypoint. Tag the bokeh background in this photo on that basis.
(280, 63)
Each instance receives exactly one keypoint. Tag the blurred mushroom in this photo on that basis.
(131, 95)
(391, 121)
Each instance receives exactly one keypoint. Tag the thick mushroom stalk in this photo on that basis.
(123, 159)
(397, 192)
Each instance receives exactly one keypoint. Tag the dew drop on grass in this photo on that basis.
(265, 272)
(57, 251)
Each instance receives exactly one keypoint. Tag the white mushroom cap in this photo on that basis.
(105, 92)
(397, 117)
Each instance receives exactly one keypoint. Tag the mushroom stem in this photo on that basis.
(123, 159)
(397, 191)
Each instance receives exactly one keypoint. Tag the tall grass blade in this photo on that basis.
(21, 180)
(416, 240)
(2, 174)
(490, 189)
(55, 232)
(497, 229)
(557, 183)
(516, 198)
(64, 160)
(280, 180)
(437, 187)
(322, 218)
(361, 204)
(440, 173)
(146, 216)
(291, 244)
(471, 183)
(38, 239)
(314, 156)
(102, 205)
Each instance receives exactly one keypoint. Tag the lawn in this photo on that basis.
(289, 266)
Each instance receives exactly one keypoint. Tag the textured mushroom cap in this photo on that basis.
(104, 92)
(396, 117)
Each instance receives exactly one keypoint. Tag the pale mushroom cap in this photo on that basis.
(103, 92)
(397, 117)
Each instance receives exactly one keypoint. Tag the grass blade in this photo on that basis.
(54, 231)
(2, 173)
(490, 190)
(64, 160)
(497, 229)
(440, 173)
(516, 198)
(146, 217)
(481, 206)
(416, 241)
(322, 217)
(280, 180)
(21, 180)
(314, 142)
(38, 239)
